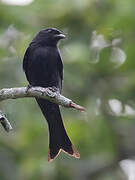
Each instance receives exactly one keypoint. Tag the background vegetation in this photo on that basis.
(99, 74)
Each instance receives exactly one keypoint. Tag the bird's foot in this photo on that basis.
(53, 89)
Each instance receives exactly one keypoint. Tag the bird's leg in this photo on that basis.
(28, 87)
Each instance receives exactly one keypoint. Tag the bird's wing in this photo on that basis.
(25, 59)
(60, 66)
(60, 69)
(43, 67)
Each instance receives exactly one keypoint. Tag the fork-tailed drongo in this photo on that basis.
(43, 67)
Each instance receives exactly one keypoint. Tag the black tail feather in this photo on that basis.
(58, 138)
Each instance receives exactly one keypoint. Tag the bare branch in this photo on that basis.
(49, 93)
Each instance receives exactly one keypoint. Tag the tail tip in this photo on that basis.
(51, 158)
(75, 152)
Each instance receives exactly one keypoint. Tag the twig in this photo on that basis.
(4, 121)
(76, 106)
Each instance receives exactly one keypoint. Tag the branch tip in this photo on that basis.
(76, 106)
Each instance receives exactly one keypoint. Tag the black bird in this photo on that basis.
(43, 67)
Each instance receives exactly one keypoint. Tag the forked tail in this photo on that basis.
(58, 138)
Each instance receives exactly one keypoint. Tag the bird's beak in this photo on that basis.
(61, 36)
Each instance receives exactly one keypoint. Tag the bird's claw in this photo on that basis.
(53, 89)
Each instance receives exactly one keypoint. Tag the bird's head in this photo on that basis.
(49, 36)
